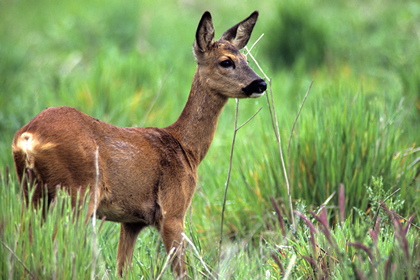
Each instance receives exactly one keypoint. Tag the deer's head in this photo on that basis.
(221, 66)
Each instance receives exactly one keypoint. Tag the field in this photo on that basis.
(322, 183)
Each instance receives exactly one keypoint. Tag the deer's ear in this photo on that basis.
(239, 34)
(204, 35)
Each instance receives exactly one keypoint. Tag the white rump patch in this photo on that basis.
(26, 142)
(30, 146)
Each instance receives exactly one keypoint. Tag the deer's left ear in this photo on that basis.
(239, 34)
(204, 35)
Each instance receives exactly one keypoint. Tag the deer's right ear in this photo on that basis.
(239, 34)
(204, 35)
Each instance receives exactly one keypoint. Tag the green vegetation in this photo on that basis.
(130, 63)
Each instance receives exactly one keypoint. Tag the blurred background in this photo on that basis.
(130, 63)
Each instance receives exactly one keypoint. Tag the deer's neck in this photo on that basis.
(197, 123)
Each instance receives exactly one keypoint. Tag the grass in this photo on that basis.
(131, 65)
(369, 248)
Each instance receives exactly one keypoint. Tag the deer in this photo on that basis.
(139, 176)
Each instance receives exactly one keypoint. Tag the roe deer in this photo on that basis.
(139, 176)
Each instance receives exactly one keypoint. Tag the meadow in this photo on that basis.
(322, 183)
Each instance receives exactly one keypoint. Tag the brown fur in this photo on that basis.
(142, 176)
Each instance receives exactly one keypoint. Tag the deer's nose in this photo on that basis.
(257, 86)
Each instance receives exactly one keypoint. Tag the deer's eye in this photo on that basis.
(226, 63)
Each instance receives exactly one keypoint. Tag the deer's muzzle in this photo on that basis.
(256, 88)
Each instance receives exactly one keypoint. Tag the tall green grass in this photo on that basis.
(378, 247)
(131, 65)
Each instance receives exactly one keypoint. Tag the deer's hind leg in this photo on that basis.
(35, 191)
(94, 200)
(128, 236)
(26, 177)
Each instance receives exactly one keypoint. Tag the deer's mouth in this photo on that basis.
(256, 88)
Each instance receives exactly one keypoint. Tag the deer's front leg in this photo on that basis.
(128, 236)
(171, 231)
